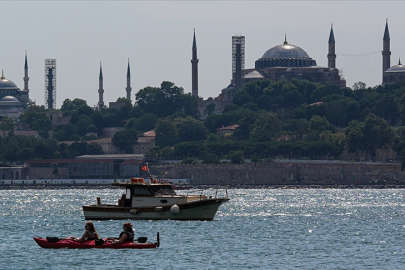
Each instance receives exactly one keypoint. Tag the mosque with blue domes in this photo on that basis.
(13, 101)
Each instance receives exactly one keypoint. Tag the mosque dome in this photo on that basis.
(285, 51)
(397, 68)
(9, 98)
(6, 84)
(285, 55)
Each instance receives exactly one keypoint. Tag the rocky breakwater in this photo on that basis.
(288, 173)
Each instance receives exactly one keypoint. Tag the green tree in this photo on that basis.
(246, 126)
(64, 151)
(66, 132)
(318, 123)
(125, 139)
(166, 151)
(236, 157)
(266, 127)
(92, 128)
(36, 117)
(146, 122)
(83, 122)
(47, 148)
(78, 149)
(70, 106)
(255, 158)
(190, 129)
(6, 124)
(124, 111)
(189, 160)
(359, 86)
(213, 137)
(166, 100)
(209, 158)
(370, 135)
(166, 133)
(241, 97)
(135, 112)
(94, 149)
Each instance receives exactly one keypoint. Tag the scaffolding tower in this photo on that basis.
(238, 59)
(50, 84)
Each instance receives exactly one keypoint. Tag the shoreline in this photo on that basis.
(358, 186)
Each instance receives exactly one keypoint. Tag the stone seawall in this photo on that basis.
(286, 173)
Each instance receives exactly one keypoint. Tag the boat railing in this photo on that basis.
(203, 194)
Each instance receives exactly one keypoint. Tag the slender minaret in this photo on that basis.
(331, 54)
(194, 70)
(386, 53)
(26, 78)
(129, 88)
(100, 89)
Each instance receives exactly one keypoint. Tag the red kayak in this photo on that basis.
(67, 243)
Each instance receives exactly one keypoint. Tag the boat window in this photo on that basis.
(163, 190)
(128, 194)
(142, 191)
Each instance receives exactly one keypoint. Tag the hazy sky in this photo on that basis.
(157, 39)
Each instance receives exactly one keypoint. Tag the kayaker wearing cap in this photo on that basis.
(89, 234)
(127, 235)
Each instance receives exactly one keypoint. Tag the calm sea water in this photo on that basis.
(257, 229)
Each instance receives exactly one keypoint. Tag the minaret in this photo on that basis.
(386, 53)
(100, 89)
(331, 54)
(26, 78)
(129, 88)
(194, 70)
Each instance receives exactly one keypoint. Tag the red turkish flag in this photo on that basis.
(144, 168)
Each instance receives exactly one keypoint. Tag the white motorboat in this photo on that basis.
(157, 201)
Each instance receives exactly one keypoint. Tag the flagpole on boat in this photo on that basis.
(147, 169)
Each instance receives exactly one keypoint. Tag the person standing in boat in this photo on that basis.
(89, 234)
(121, 201)
(127, 235)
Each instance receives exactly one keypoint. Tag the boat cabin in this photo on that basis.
(141, 194)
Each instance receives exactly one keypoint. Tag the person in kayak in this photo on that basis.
(89, 234)
(127, 235)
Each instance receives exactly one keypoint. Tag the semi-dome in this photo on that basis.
(285, 55)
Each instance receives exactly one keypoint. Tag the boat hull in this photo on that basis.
(66, 243)
(199, 210)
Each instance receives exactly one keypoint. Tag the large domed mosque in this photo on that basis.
(287, 61)
(13, 101)
(281, 62)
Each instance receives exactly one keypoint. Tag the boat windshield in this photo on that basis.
(163, 190)
(141, 191)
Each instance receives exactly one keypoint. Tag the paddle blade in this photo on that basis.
(142, 239)
(99, 242)
(52, 239)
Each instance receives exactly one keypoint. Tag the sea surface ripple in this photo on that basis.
(256, 229)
